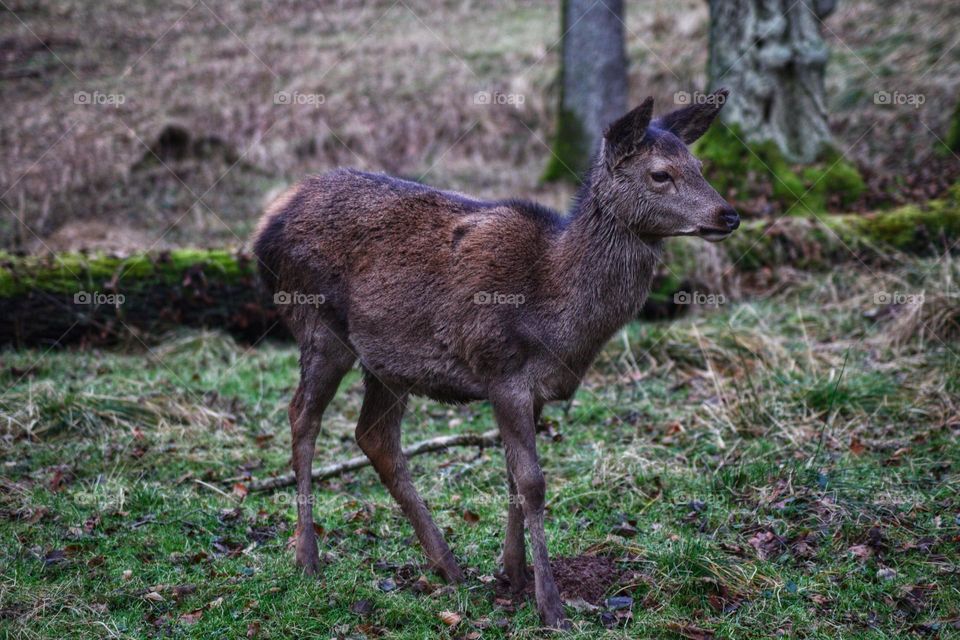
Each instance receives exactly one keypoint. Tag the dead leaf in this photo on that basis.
(861, 551)
(470, 516)
(580, 605)
(362, 607)
(423, 585)
(55, 556)
(240, 490)
(450, 618)
(856, 447)
(767, 543)
(153, 596)
(182, 590)
(192, 617)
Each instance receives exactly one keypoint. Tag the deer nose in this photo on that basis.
(730, 217)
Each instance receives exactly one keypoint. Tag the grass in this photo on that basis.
(788, 469)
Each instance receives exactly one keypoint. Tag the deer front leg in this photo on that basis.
(514, 546)
(514, 411)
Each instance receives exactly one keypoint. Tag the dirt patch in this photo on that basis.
(589, 578)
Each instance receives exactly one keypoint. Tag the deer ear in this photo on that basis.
(691, 122)
(624, 136)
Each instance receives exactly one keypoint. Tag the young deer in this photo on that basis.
(456, 299)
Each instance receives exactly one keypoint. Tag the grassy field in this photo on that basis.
(784, 465)
(781, 464)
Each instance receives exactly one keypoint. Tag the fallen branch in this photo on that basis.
(486, 439)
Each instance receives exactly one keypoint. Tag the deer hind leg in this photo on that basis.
(378, 434)
(323, 363)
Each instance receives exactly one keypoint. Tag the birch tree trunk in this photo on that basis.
(593, 82)
(771, 55)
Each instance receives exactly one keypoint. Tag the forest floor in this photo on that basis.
(782, 465)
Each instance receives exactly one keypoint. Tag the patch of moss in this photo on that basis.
(70, 272)
(664, 287)
(911, 226)
(953, 133)
(739, 171)
(817, 243)
(570, 152)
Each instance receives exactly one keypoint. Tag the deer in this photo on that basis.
(441, 295)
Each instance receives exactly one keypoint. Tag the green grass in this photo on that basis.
(788, 471)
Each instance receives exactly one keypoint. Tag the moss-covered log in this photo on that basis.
(757, 177)
(103, 298)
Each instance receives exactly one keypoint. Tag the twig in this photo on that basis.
(485, 439)
(216, 489)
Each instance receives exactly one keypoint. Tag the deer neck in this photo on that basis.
(604, 267)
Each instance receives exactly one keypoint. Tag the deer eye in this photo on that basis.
(660, 176)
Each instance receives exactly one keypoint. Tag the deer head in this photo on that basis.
(647, 177)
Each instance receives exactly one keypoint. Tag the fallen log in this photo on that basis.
(100, 298)
(486, 439)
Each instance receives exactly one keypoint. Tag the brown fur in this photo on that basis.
(457, 299)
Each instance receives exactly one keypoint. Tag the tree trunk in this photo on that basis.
(593, 82)
(771, 56)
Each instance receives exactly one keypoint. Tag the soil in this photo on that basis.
(589, 578)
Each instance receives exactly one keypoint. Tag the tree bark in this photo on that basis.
(772, 57)
(593, 82)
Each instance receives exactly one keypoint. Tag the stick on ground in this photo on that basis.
(486, 439)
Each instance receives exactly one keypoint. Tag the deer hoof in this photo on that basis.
(309, 561)
(309, 567)
(452, 574)
(519, 581)
(558, 622)
(553, 616)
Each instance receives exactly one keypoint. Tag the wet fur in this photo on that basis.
(400, 265)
